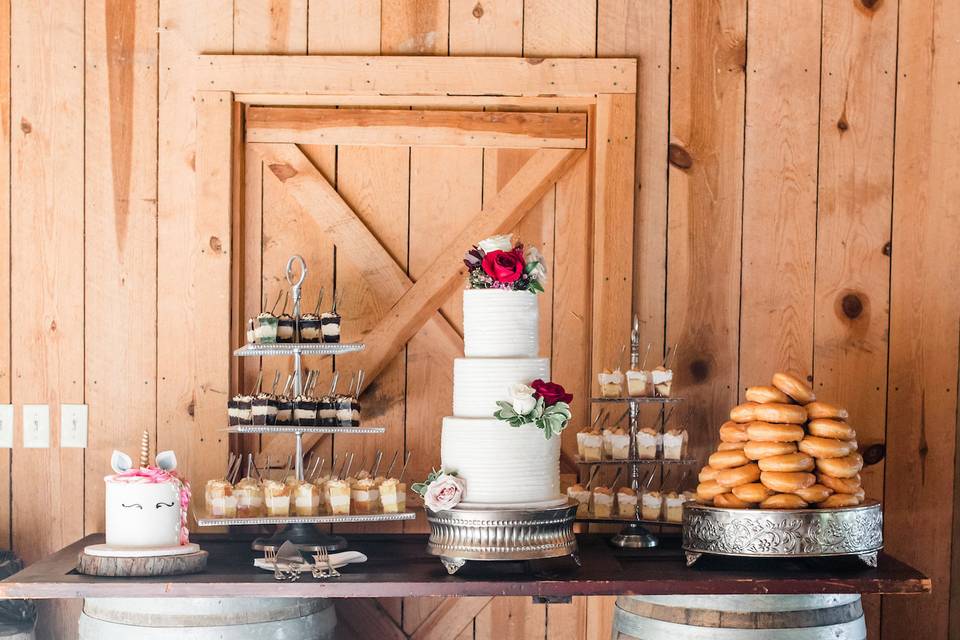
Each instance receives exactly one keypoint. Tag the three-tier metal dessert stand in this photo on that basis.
(301, 530)
(634, 534)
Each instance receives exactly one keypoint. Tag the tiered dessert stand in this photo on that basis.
(634, 534)
(301, 530)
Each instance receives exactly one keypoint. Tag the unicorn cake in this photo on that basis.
(146, 508)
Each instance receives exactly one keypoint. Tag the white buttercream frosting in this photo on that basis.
(500, 323)
(478, 383)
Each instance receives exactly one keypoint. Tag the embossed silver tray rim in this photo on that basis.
(458, 535)
(783, 533)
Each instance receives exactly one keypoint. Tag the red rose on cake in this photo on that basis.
(551, 392)
(504, 266)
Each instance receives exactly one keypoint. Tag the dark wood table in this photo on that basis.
(398, 565)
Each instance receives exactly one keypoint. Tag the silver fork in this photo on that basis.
(318, 570)
(323, 557)
(271, 556)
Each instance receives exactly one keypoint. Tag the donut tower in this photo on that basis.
(782, 449)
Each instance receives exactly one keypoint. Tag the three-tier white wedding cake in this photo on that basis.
(501, 465)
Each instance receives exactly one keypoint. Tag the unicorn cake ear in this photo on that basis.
(167, 460)
(120, 462)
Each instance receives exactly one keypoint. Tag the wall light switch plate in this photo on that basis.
(73, 425)
(36, 426)
(6, 426)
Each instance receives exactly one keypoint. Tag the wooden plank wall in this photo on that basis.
(795, 207)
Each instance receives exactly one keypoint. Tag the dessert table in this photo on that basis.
(399, 565)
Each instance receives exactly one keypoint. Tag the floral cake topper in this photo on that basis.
(498, 263)
(441, 490)
(546, 405)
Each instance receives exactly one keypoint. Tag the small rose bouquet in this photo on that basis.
(497, 263)
(441, 490)
(546, 405)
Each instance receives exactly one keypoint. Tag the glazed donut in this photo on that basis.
(845, 467)
(707, 491)
(730, 446)
(780, 413)
(766, 394)
(815, 493)
(707, 474)
(756, 450)
(766, 432)
(825, 447)
(838, 500)
(840, 485)
(787, 462)
(829, 428)
(730, 431)
(753, 492)
(861, 495)
(794, 387)
(743, 412)
(739, 475)
(826, 410)
(728, 459)
(730, 501)
(783, 501)
(787, 482)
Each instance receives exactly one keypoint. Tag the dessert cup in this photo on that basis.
(602, 502)
(607, 443)
(611, 384)
(306, 498)
(626, 502)
(619, 444)
(305, 413)
(249, 498)
(338, 497)
(389, 497)
(221, 503)
(365, 496)
(266, 332)
(263, 409)
(648, 441)
(285, 407)
(309, 327)
(639, 384)
(233, 410)
(330, 326)
(675, 444)
(650, 505)
(582, 498)
(276, 497)
(673, 507)
(592, 447)
(344, 411)
(327, 411)
(286, 328)
(662, 381)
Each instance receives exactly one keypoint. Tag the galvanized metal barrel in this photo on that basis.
(207, 619)
(16, 632)
(803, 617)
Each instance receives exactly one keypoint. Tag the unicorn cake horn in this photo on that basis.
(145, 449)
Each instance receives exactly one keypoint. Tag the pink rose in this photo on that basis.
(503, 266)
(444, 493)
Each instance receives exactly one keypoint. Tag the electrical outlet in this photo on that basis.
(73, 426)
(6, 426)
(36, 426)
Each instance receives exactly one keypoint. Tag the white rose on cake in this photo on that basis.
(522, 399)
(445, 492)
(494, 243)
(533, 256)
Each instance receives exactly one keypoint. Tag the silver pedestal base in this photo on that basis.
(783, 533)
(634, 536)
(459, 535)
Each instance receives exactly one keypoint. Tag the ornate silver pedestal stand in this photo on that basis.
(783, 533)
(458, 535)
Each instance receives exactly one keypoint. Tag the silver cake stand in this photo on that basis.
(783, 533)
(462, 534)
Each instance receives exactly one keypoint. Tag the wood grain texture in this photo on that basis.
(559, 28)
(138, 567)
(703, 278)
(779, 192)
(857, 91)
(5, 227)
(419, 28)
(486, 27)
(350, 28)
(511, 619)
(193, 354)
(120, 236)
(270, 26)
(924, 323)
(423, 127)
(47, 266)
(425, 75)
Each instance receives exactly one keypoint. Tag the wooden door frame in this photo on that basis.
(602, 88)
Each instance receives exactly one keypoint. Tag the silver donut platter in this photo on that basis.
(783, 533)
(458, 535)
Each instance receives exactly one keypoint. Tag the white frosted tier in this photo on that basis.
(498, 323)
(479, 382)
(501, 464)
(143, 514)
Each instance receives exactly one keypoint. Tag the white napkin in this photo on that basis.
(336, 559)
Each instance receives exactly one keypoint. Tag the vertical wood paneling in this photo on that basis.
(924, 321)
(780, 191)
(486, 27)
(193, 354)
(858, 86)
(420, 27)
(344, 27)
(47, 265)
(5, 318)
(121, 235)
(511, 618)
(270, 26)
(706, 162)
(560, 28)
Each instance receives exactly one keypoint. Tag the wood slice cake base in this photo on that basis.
(169, 565)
